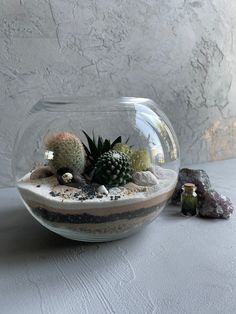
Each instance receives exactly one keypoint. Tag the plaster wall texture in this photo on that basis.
(180, 53)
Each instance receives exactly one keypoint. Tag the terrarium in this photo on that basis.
(96, 170)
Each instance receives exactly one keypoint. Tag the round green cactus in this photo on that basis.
(140, 160)
(113, 169)
(68, 151)
(122, 148)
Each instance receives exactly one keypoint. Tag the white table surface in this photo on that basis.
(175, 265)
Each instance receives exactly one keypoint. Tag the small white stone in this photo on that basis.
(115, 191)
(102, 189)
(145, 178)
(67, 177)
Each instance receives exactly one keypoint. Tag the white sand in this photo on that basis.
(30, 192)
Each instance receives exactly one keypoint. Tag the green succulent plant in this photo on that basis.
(99, 146)
(113, 169)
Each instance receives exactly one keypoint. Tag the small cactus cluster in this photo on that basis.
(102, 161)
(139, 158)
(113, 168)
(68, 151)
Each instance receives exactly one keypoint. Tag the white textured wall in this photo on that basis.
(180, 53)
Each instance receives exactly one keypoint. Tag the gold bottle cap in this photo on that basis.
(189, 187)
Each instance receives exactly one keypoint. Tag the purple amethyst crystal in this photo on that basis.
(215, 205)
(197, 177)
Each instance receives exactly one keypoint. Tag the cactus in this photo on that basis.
(140, 160)
(122, 148)
(68, 151)
(113, 168)
(97, 147)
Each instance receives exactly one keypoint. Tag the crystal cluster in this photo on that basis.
(215, 205)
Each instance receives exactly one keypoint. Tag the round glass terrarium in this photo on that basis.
(96, 170)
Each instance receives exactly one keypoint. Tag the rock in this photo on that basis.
(40, 173)
(198, 177)
(158, 172)
(67, 177)
(102, 190)
(132, 187)
(115, 191)
(145, 178)
(215, 205)
(61, 175)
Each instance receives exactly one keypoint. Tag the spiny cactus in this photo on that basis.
(140, 160)
(113, 168)
(68, 151)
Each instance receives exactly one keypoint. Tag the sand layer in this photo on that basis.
(95, 224)
(62, 210)
(60, 198)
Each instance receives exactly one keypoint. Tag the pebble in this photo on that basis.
(62, 175)
(115, 191)
(41, 173)
(145, 178)
(53, 194)
(67, 177)
(102, 190)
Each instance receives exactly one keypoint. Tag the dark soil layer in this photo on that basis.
(92, 219)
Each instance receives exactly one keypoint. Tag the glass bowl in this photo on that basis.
(95, 170)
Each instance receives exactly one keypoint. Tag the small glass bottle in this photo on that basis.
(189, 200)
